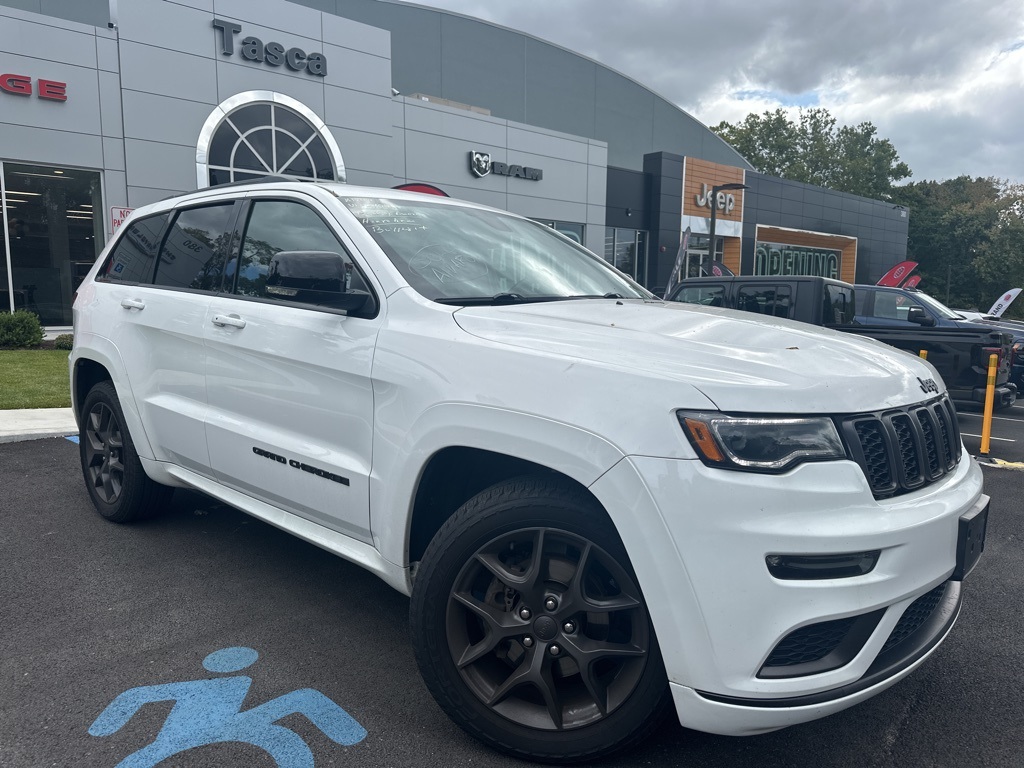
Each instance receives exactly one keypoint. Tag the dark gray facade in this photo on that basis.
(879, 226)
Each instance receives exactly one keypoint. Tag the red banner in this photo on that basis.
(897, 274)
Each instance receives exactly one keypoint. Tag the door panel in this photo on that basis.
(291, 403)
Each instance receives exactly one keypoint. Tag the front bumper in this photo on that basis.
(719, 613)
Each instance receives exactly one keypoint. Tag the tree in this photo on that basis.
(968, 236)
(815, 151)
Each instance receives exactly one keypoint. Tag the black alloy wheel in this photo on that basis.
(103, 447)
(117, 484)
(545, 643)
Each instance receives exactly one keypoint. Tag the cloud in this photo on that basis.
(942, 79)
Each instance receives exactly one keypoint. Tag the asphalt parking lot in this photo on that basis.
(91, 610)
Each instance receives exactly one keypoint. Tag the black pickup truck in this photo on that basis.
(960, 354)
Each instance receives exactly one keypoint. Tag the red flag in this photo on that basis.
(896, 275)
(912, 281)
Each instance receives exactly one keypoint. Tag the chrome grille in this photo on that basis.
(903, 449)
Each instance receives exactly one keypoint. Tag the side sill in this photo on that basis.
(336, 543)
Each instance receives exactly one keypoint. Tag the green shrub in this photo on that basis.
(22, 329)
(64, 341)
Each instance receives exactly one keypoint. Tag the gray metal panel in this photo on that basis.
(189, 117)
(415, 41)
(39, 145)
(157, 70)
(363, 151)
(455, 123)
(202, 5)
(328, 6)
(545, 208)
(106, 54)
(358, 71)
(35, 6)
(370, 179)
(140, 196)
(549, 145)
(483, 66)
(357, 36)
(560, 89)
(444, 161)
(80, 113)
(597, 185)
(357, 111)
(94, 12)
(398, 157)
(625, 115)
(113, 154)
(166, 25)
(563, 180)
(239, 78)
(150, 163)
(676, 129)
(110, 104)
(292, 19)
(598, 154)
(45, 43)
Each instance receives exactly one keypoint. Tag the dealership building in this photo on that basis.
(107, 105)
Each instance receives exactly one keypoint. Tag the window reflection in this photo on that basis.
(54, 233)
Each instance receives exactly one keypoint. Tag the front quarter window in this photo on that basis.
(459, 255)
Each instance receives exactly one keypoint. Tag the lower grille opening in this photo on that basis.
(820, 647)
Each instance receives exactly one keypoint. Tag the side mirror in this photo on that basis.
(313, 277)
(919, 316)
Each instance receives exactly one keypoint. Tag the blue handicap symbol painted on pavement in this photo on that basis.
(210, 712)
(72, 438)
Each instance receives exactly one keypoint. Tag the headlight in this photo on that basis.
(771, 444)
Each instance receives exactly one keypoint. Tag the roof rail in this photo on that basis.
(269, 179)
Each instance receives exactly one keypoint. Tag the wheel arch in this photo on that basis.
(103, 363)
(478, 446)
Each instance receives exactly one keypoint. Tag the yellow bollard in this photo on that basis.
(924, 354)
(990, 396)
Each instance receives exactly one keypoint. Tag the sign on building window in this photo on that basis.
(782, 259)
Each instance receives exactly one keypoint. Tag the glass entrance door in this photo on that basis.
(53, 231)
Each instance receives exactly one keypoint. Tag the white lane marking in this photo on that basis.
(995, 418)
(1003, 439)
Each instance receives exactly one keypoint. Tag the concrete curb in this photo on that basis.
(36, 423)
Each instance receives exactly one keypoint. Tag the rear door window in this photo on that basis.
(775, 300)
(134, 257)
(195, 249)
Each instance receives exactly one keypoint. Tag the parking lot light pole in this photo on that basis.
(714, 209)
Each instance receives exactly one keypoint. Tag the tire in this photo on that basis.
(530, 629)
(117, 484)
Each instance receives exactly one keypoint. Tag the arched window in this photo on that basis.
(261, 133)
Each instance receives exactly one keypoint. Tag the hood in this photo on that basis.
(741, 362)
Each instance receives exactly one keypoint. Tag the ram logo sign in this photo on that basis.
(480, 165)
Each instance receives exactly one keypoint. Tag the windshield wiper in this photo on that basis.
(496, 299)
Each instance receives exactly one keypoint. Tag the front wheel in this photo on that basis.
(530, 627)
(117, 484)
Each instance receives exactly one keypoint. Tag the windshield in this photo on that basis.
(940, 309)
(458, 255)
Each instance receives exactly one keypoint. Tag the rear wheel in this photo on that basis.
(531, 630)
(118, 485)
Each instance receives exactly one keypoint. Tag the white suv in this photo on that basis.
(599, 502)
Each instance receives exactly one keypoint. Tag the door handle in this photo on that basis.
(133, 304)
(233, 320)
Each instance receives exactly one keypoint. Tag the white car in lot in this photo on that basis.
(601, 504)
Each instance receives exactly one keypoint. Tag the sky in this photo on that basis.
(943, 80)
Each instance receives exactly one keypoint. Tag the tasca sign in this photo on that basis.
(273, 54)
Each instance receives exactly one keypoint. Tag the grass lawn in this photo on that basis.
(34, 378)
